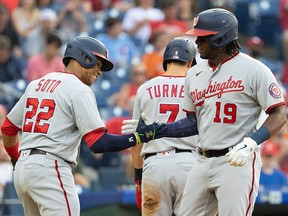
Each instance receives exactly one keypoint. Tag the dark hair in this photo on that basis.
(111, 21)
(233, 47)
(53, 38)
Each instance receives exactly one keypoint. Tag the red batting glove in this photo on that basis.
(138, 194)
(138, 180)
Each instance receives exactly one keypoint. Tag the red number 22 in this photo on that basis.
(36, 122)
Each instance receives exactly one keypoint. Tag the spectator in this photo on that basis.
(187, 10)
(25, 19)
(129, 90)
(11, 5)
(6, 28)
(121, 47)
(46, 4)
(6, 169)
(153, 60)
(137, 20)
(271, 177)
(255, 47)
(170, 24)
(47, 61)
(282, 143)
(10, 68)
(71, 21)
(283, 5)
(36, 40)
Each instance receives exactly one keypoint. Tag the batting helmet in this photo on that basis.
(220, 23)
(179, 49)
(82, 48)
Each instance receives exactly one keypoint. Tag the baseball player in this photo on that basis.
(53, 114)
(162, 98)
(224, 96)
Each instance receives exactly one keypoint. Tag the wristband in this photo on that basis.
(138, 174)
(138, 140)
(261, 135)
(13, 151)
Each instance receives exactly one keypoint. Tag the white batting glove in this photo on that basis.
(129, 126)
(241, 153)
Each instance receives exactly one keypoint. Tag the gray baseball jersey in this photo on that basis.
(161, 100)
(227, 101)
(46, 108)
(52, 114)
(165, 170)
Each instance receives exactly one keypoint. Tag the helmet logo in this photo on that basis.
(196, 19)
(176, 55)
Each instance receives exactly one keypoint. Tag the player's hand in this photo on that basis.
(129, 126)
(145, 133)
(242, 152)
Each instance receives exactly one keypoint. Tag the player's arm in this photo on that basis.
(274, 122)
(99, 141)
(182, 128)
(242, 151)
(10, 135)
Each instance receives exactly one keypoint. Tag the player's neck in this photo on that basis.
(176, 70)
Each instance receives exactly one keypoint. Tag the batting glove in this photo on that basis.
(145, 133)
(242, 152)
(138, 181)
(130, 126)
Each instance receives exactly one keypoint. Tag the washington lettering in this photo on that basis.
(217, 89)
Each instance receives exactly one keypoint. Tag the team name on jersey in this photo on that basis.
(166, 90)
(217, 89)
(47, 85)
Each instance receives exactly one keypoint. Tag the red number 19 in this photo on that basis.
(230, 112)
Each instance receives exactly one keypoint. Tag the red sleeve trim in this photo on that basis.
(91, 137)
(8, 128)
(188, 112)
(273, 106)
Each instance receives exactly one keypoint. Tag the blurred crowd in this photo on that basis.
(34, 33)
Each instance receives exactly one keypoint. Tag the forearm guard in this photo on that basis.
(182, 128)
(113, 143)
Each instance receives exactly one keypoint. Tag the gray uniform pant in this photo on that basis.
(215, 186)
(163, 182)
(45, 185)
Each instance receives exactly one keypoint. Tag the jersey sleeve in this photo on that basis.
(187, 104)
(16, 114)
(86, 113)
(268, 92)
(137, 105)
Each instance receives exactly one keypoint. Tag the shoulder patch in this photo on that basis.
(274, 90)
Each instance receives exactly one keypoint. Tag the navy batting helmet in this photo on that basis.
(220, 23)
(179, 49)
(82, 48)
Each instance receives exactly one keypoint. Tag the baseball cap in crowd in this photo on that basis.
(48, 14)
(269, 148)
(254, 41)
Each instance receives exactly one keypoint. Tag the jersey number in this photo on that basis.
(46, 107)
(230, 112)
(172, 108)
